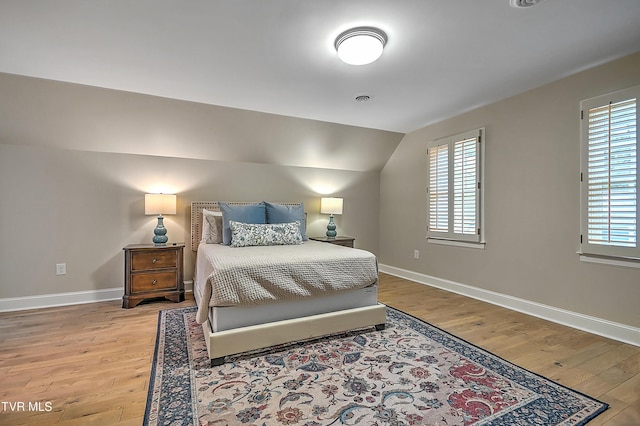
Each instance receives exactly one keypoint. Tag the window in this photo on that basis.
(609, 174)
(455, 188)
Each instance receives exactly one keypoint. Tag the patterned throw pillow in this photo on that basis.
(271, 234)
(282, 213)
(250, 213)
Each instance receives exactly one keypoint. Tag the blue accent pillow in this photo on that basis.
(279, 213)
(252, 213)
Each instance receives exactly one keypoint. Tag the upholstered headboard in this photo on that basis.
(196, 216)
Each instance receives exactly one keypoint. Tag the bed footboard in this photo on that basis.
(230, 342)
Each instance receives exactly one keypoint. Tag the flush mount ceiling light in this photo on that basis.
(360, 46)
(525, 3)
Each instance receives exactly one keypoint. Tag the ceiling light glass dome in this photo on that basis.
(360, 46)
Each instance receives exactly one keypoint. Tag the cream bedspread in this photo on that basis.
(233, 276)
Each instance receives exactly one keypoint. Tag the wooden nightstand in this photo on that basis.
(339, 240)
(152, 271)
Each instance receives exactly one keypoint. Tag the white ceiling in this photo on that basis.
(443, 56)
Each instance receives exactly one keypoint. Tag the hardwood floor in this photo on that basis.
(90, 364)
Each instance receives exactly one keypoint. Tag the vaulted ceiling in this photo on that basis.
(278, 56)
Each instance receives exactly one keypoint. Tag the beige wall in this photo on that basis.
(38, 112)
(81, 208)
(532, 202)
(75, 163)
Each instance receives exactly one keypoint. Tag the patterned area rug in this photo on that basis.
(411, 373)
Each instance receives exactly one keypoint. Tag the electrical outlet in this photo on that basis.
(61, 268)
(416, 254)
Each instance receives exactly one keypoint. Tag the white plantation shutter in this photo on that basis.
(454, 187)
(439, 189)
(610, 174)
(465, 179)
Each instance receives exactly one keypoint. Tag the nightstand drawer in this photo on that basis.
(345, 243)
(155, 281)
(340, 240)
(153, 259)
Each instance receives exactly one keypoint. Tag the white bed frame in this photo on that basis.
(234, 341)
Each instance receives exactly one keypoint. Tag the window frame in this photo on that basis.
(449, 236)
(608, 250)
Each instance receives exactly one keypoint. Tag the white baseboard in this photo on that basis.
(613, 330)
(59, 299)
(10, 304)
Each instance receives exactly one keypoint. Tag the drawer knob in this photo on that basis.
(154, 260)
(154, 282)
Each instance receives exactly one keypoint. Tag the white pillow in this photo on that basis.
(211, 227)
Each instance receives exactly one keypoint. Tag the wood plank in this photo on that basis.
(93, 361)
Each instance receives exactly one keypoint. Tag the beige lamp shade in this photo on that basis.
(331, 205)
(159, 204)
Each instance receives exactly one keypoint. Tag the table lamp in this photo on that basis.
(331, 206)
(160, 204)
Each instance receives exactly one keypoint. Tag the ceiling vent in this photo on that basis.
(525, 3)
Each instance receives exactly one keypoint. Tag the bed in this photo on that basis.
(256, 296)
